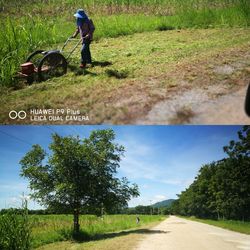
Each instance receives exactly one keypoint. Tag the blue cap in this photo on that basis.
(80, 14)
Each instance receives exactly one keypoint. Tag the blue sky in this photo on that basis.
(162, 160)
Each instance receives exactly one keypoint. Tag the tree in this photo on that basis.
(77, 174)
(221, 189)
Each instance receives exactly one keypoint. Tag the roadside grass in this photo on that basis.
(53, 228)
(26, 26)
(129, 73)
(122, 240)
(237, 226)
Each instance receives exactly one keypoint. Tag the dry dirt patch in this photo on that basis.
(209, 91)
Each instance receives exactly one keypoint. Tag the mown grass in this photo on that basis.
(53, 228)
(27, 25)
(237, 226)
(132, 72)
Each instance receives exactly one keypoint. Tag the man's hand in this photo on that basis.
(75, 34)
(85, 38)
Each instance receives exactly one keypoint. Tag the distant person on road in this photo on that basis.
(137, 219)
(86, 29)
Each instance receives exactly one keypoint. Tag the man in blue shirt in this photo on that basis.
(84, 24)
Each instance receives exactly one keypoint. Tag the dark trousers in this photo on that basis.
(85, 52)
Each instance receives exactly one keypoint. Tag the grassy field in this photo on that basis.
(27, 25)
(122, 240)
(134, 72)
(140, 49)
(237, 226)
(53, 228)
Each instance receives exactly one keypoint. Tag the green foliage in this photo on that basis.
(163, 207)
(221, 189)
(15, 230)
(79, 174)
(138, 210)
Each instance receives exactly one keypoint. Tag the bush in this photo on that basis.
(15, 231)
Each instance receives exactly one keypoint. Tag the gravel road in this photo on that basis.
(181, 234)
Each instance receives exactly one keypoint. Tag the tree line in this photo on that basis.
(221, 189)
(147, 210)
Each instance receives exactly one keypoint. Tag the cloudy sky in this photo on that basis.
(162, 160)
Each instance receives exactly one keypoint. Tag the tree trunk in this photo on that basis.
(76, 221)
(218, 216)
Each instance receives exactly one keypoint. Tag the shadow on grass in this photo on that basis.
(117, 74)
(163, 27)
(83, 236)
(101, 64)
(78, 71)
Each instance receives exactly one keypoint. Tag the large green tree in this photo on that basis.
(78, 174)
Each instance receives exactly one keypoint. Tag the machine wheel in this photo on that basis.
(36, 57)
(52, 65)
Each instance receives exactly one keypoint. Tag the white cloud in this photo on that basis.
(139, 169)
(133, 147)
(178, 182)
(160, 197)
(24, 197)
(142, 162)
(138, 201)
(147, 200)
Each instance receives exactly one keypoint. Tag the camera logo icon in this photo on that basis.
(13, 115)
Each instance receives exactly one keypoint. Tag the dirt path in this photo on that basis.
(228, 109)
(200, 107)
(177, 234)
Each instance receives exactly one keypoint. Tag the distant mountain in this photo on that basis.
(165, 203)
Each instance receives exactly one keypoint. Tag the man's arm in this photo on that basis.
(76, 33)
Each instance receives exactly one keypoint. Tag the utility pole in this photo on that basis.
(151, 208)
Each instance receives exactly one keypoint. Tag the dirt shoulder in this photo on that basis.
(213, 104)
(137, 77)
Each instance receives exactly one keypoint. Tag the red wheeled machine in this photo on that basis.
(42, 65)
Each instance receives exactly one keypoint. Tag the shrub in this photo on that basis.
(15, 230)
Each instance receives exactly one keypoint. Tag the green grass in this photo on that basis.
(237, 226)
(133, 72)
(53, 228)
(44, 23)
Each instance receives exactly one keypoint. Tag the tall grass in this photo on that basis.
(40, 24)
(15, 231)
(234, 15)
(53, 228)
(17, 39)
